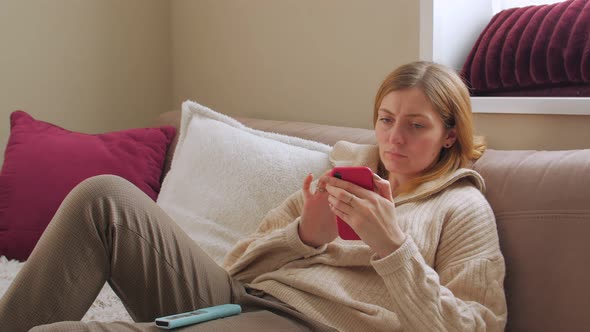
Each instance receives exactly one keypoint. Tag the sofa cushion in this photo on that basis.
(43, 162)
(541, 202)
(225, 177)
(310, 131)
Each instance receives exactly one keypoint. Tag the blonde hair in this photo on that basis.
(450, 99)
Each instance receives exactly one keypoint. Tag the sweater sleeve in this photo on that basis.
(274, 244)
(464, 291)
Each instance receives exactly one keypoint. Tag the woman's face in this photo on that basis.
(410, 133)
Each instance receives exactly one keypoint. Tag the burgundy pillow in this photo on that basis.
(43, 162)
(536, 48)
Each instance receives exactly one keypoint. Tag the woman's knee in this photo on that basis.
(95, 191)
(99, 186)
(94, 200)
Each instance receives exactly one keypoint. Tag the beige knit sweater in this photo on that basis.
(447, 276)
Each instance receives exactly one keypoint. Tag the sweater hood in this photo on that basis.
(352, 154)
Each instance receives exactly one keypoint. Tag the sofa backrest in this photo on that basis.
(541, 200)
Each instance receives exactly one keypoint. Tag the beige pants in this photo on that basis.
(108, 230)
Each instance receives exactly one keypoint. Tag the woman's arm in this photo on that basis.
(275, 243)
(465, 290)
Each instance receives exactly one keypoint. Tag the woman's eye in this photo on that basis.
(417, 126)
(386, 120)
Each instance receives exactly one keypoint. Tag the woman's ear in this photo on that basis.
(450, 137)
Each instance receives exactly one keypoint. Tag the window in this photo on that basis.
(448, 40)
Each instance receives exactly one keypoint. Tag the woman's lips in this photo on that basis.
(395, 155)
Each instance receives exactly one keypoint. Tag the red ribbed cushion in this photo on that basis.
(535, 47)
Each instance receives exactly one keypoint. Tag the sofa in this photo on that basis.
(541, 200)
(542, 208)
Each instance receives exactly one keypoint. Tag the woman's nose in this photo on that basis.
(396, 135)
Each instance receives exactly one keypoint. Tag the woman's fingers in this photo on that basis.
(382, 187)
(340, 205)
(344, 186)
(320, 186)
(340, 194)
(307, 186)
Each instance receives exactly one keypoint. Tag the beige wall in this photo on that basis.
(102, 65)
(320, 61)
(306, 60)
(91, 65)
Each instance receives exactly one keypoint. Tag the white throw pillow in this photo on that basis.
(225, 176)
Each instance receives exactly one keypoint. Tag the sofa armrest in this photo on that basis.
(541, 200)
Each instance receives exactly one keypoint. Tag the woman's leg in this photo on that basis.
(260, 313)
(108, 230)
(254, 321)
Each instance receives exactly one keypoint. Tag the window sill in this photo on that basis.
(532, 105)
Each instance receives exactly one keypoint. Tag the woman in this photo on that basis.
(428, 258)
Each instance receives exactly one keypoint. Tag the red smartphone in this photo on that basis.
(361, 176)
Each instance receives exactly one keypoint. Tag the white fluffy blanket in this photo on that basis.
(106, 308)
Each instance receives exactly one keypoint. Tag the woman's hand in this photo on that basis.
(371, 214)
(318, 223)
